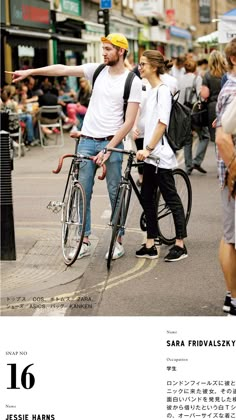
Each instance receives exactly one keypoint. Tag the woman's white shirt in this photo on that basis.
(159, 111)
(142, 112)
(170, 81)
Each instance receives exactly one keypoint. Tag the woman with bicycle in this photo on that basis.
(159, 173)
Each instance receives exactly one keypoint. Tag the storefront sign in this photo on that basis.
(204, 11)
(149, 8)
(72, 7)
(32, 13)
(131, 32)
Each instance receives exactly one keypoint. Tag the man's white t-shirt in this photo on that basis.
(159, 111)
(104, 116)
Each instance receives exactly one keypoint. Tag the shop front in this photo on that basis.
(92, 34)
(27, 28)
(158, 39)
(179, 41)
(130, 29)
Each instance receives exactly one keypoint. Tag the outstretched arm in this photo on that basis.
(53, 70)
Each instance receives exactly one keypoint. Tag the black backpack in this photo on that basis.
(128, 83)
(179, 129)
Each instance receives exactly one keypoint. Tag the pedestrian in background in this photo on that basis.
(211, 86)
(168, 79)
(77, 111)
(178, 69)
(187, 83)
(226, 162)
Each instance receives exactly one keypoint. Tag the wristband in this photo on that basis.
(150, 149)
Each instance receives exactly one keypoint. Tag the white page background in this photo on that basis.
(109, 368)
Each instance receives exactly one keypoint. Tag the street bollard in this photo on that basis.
(8, 249)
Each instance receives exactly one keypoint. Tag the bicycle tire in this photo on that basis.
(73, 223)
(165, 221)
(119, 220)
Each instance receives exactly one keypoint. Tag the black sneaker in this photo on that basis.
(199, 168)
(145, 252)
(227, 303)
(176, 253)
(232, 311)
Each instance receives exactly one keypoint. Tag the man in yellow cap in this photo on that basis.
(119, 40)
(104, 124)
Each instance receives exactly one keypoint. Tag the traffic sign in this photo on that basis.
(105, 4)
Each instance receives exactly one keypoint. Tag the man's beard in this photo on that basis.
(113, 62)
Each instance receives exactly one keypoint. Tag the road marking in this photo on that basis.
(112, 282)
(42, 224)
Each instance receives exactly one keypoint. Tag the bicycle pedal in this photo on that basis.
(55, 206)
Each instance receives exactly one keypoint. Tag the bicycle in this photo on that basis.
(72, 207)
(165, 223)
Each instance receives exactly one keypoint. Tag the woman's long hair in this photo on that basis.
(217, 64)
(86, 86)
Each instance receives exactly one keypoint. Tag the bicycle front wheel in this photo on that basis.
(118, 219)
(165, 221)
(73, 223)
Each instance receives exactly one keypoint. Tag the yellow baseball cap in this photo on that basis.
(116, 39)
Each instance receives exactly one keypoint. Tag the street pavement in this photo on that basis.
(38, 283)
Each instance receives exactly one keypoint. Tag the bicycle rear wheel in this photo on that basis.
(118, 220)
(73, 223)
(165, 221)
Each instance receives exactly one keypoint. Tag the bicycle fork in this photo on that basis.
(125, 185)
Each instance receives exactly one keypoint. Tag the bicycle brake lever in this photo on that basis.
(104, 171)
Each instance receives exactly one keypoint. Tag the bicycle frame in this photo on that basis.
(127, 177)
(72, 207)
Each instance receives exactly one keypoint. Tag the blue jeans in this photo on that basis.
(91, 147)
(28, 120)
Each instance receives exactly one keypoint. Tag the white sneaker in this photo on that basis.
(34, 142)
(118, 251)
(85, 251)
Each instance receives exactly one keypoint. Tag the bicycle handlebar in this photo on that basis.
(115, 149)
(60, 163)
(129, 152)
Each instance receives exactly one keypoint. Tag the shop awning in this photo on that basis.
(126, 21)
(180, 32)
(69, 43)
(34, 39)
(211, 38)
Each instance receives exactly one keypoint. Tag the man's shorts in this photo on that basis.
(229, 216)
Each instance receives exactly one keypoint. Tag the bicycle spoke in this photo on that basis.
(73, 224)
(165, 221)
